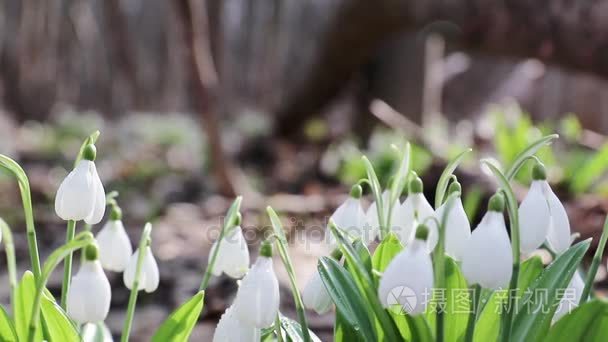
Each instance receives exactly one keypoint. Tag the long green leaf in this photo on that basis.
(399, 181)
(23, 310)
(7, 329)
(343, 332)
(442, 184)
(535, 312)
(58, 327)
(377, 192)
(293, 330)
(384, 254)
(588, 323)
(345, 294)
(523, 156)
(179, 325)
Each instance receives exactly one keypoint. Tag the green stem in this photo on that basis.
(54, 259)
(475, 295)
(67, 268)
(595, 264)
(439, 261)
(277, 328)
(10, 261)
(87, 228)
(143, 243)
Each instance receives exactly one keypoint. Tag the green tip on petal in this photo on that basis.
(266, 249)
(91, 252)
(356, 191)
(415, 185)
(497, 203)
(455, 187)
(539, 172)
(238, 219)
(422, 232)
(116, 213)
(89, 152)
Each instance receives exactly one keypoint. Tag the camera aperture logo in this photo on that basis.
(402, 300)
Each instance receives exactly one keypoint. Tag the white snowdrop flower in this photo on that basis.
(81, 195)
(458, 228)
(408, 279)
(231, 329)
(148, 277)
(89, 298)
(542, 217)
(350, 218)
(233, 256)
(571, 297)
(257, 299)
(487, 260)
(315, 295)
(414, 210)
(114, 245)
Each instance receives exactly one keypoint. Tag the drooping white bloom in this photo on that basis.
(457, 229)
(114, 246)
(81, 195)
(414, 210)
(257, 300)
(571, 297)
(487, 259)
(350, 218)
(558, 236)
(408, 279)
(231, 329)
(90, 293)
(315, 295)
(233, 256)
(148, 278)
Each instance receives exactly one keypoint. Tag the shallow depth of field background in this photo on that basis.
(276, 100)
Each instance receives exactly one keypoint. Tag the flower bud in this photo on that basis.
(148, 277)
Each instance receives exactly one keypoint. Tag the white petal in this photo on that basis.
(350, 217)
(76, 195)
(558, 235)
(315, 295)
(457, 230)
(408, 280)
(233, 256)
(149, 276)
(114, 246)
(99, 206)
(231, 329)
(534, 219)
(257, 300)
(90, 294)
(571, 297)
(488, 259)
(404, 221)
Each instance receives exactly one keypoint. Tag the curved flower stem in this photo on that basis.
(144, 241)
(67, 264)
(595, 264)
(87, 228)
(10, 260)
(228, 223)
(281, 243)
(475, 295)
(80, 241)
(439, 261)
(26, 199)
(400, 180)
(277, 328)
(377, 191)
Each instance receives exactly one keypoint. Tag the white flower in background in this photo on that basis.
(350, 218)
(571, 297)
(257, 299)
(371, 215)
(231, 329)
(315, 295)
(114, 245)
(488, 260)
(81, 195)
(542, 216)
(458, 228)
(148, 278)
(233, 256)
(414, 210)
(90, 293)
(408, 279)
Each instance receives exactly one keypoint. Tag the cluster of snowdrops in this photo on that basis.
(390, 294)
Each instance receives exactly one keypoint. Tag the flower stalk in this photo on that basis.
(67, 269)
(143, 243)
(475, 296)
(9, 248)
(595, 264)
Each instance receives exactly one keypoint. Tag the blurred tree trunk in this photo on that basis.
(573, 34)
(203, 80)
